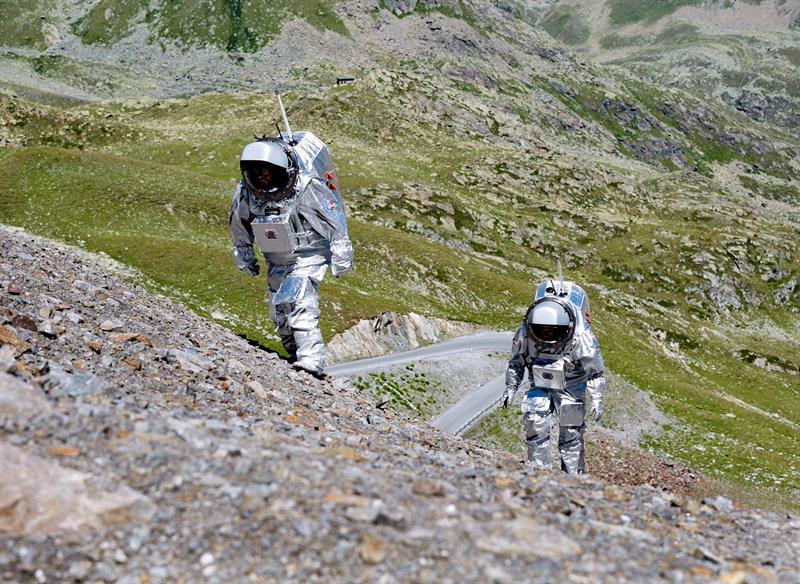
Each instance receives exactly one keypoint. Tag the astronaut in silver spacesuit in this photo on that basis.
(288, 204)
(555, 344)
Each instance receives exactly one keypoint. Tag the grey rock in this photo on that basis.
(61, 383)
(720, 503)
(75, 318)
(526, 537)
(49, 328)
(189, 360)
(110, 325)
(20, 399)
(7, 361)
(39, 497)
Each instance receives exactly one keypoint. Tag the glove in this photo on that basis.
(252, 268)
(508, 396)
(596, 410)
(341, 267)
(341, 256)
(597, 391)
(245, 259)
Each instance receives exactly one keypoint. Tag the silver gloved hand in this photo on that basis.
(596, 410)
(508, 396)
(597, 391)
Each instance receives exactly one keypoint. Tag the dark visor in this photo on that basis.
(549, 333)
(264, 176)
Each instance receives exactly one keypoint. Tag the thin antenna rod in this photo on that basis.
(285, 119)
(560, 275)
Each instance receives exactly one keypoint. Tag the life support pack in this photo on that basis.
(275, 233)
(314, 159)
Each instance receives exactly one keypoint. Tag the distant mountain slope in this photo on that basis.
(745, 54)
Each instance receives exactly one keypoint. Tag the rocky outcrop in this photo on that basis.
(38, 497)
(391, 332)
(257, 472)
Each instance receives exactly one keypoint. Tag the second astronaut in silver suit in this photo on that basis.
(556, 346)
(288, 205)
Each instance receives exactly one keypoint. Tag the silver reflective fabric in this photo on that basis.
(313, 156)
(539, 406)
(317, 217)
(596, 388)
(583, 372)
(294, 308)
(293, 288)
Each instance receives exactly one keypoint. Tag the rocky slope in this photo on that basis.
(741, 53)
(143, 443)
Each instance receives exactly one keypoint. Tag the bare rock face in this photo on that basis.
(38, 497)
(51, 34)
(392, 332)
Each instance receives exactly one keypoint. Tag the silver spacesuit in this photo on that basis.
(556, 345)
(288, 204)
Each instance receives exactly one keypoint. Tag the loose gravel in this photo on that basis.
(142, 443)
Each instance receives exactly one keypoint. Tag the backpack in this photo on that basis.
(314, 159)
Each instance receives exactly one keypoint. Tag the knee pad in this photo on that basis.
(537, 402)
(571, 414)
(537, 425)
(292, 289)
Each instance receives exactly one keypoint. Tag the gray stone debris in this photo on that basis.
(210, 460)
(39, 497)
(62, 383)
(20, 399)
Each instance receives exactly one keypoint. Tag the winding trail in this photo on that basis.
(472, 406)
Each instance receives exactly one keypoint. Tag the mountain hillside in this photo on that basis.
(473, 148)
(744, 53)
(140, 442)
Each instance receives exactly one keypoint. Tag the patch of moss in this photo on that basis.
(623, 12)
(21, 22)
(567, 24)
(617, 41)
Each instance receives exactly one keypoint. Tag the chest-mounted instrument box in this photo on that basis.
(548, 373)
(275, 233)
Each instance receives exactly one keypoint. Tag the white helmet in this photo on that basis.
(551, 322)
(268, 169)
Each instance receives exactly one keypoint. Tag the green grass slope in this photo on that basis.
(452, 232)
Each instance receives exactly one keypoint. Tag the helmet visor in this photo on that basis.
(263, 176)
(548, 333)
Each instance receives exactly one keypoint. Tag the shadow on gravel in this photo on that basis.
(258, 345)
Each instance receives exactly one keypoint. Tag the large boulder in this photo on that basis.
(39, 497)
(19, 399)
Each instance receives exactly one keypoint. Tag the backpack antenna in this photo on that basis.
(285, 119)
(560, 276)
